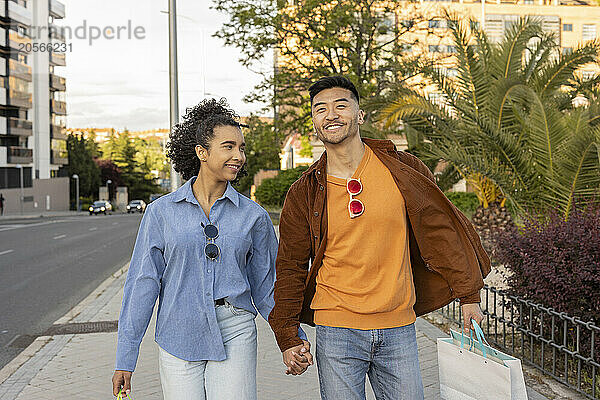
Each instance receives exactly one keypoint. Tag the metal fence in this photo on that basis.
(560, 345)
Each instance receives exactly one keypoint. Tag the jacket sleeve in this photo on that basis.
(291, 269)
(141, 290)
(418, 165)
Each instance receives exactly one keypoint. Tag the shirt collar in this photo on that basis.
(186, 193)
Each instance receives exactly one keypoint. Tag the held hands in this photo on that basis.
(471, 311)
(297, 359)
(121, 380)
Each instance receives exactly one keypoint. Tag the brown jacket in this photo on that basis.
(447, 258)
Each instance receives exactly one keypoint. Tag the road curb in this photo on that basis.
(87, 308)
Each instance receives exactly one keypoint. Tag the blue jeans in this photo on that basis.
(389, 356)
(231, 379)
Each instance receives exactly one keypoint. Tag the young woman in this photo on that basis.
(207, 253)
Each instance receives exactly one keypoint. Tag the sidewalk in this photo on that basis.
(80, 366)
(41, 214)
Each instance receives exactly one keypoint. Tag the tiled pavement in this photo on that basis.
(80, 366)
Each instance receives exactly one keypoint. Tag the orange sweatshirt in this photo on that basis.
(366, 281)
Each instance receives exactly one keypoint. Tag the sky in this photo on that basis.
(124, 82)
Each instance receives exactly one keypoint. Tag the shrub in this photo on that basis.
(272, 191)
(466, 202)
(556, 262)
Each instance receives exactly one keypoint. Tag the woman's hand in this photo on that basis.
(121, 381)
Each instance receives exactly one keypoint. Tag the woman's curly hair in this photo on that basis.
(197, 128)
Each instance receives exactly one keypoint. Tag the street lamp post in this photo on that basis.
(22, 192)
(76, 177)
(108, 182)
(173, 88)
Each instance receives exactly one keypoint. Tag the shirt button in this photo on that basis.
(207, 294)
(316, 214)
(316, 237)
(208, 271)
(321, 188)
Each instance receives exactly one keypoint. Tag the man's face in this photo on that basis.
(336, 115)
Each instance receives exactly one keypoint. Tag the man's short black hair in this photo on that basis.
(328, 82)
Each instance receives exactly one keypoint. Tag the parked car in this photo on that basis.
(100, 207)
(136, 206)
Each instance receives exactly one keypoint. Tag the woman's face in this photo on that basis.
(226, 155)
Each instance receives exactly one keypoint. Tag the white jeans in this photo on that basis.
(231, 379)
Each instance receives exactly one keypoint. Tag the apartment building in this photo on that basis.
(573, 22)
(32, 106)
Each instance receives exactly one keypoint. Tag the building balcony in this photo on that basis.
(57, 132)
(57, 9)
(17, 42)
(2, 34)
(58, 157)
(58, 107)
(56, 33)
(19, 155)
(18, 99)
(19, 127)
(18, 13)
(58, 83)
(19, 70)
(58, 59)
(3, 100)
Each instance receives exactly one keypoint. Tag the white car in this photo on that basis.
(100, 207)
(136, 206)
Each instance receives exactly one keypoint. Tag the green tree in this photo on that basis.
(263, 145)
(81, 162)
(134, 169)
(507, 122)
(314, 38)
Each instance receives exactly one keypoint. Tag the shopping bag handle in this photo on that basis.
(478, 333)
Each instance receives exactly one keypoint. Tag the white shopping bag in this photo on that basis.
(472, 370)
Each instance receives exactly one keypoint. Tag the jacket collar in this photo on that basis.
(319, 168)
(186, 193)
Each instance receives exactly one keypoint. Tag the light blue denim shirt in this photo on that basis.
(168, 263)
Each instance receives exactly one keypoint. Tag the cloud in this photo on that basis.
(122, 83)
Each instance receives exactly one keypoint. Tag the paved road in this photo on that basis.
(48, 265)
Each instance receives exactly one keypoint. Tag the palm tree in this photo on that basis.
(507, 123)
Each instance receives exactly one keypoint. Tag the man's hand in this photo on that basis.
(471, 311)
(297, 358)
(121, 380)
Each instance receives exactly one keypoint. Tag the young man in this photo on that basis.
(384, 245)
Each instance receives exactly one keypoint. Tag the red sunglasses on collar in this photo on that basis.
(355, 206)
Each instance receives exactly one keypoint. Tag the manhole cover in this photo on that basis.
(23, 341)
(82, 327)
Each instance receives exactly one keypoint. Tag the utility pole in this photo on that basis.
(173, 89)
(76, 177)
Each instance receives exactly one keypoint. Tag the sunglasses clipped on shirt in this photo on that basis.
(355, 206)
(211, 250)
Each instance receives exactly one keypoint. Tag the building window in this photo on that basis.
(10, 178)
(450, 49)
(567, 50)
(435, 48)
(434, 23)
(406, 47)
(589, 32)
(22, 31)
(567, 27)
